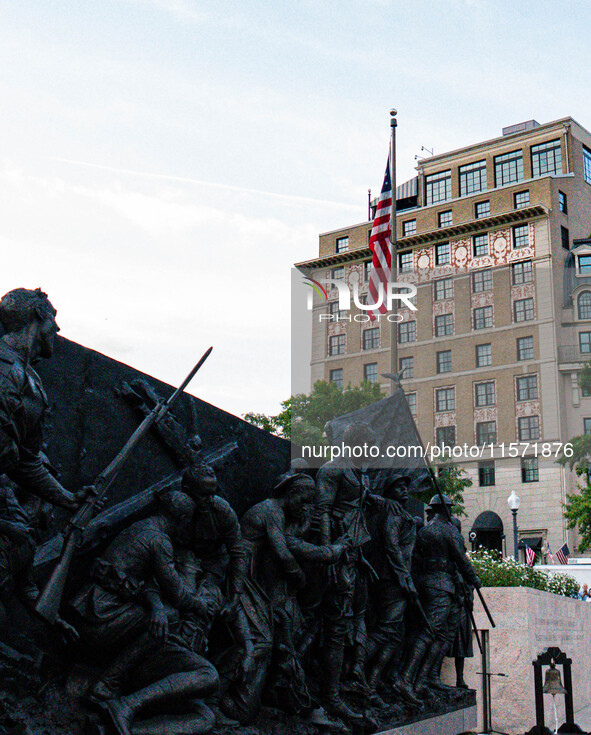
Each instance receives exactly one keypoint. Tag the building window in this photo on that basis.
(485, 394)
(366, 270)
(520, 236)
(524, 310)
(409, 227)
(529, 469)
(483, 317)
(482, 281)
(342, 244)
(480, 245)
(405, 262)
(444, 325)
(562, 203)
(336, 377)
(527, 388)
(336, 313)
(585, 342)
(509, 168)
(407, 332)
(472, 178)
(442, 254)
(445, 219)
(411, 399)
(443, 289)
(370, 372)
(486, 474)
(565, 237)
(337, 274)
(522, 272)
(444, 361)
(371, 338)
(585, 391)
(587, 164)
(486, 432)
(336, 345)
(584, 264)
(584, 305)
(483, 355)
(482, 209)
(445, 399)
(446, 436)
(525, 348)
(546, 158)
(521, 199)
(406, 367)
(586, 426)
(438, 187)
(529, 428)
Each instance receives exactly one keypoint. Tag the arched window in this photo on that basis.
(584, 305)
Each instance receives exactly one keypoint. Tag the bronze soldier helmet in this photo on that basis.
(435, 501)
(391, 476)
(289, 480)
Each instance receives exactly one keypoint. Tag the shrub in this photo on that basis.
(494, 571)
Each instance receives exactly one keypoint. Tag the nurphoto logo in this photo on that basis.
(388, 294)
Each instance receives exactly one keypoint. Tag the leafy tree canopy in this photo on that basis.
(577, 508)
(453, 481)
(302, 418)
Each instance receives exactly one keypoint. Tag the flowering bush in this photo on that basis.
(494, 571)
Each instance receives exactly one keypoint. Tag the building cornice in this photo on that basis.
(542, 129)
(433, 236)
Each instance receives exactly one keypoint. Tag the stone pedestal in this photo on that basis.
(528, 621)
(452, 723)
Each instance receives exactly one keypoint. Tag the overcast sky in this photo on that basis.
(164, 162)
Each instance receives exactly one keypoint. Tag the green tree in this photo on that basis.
(577, 511)
(577, 508)
(452, 481)
(302, 417)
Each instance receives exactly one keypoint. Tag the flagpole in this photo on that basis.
(393, 253)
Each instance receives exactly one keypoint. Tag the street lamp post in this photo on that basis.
(514, 503)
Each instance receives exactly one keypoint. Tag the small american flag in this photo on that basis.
(549, 553)
(530, 556)
(380, 246)
(562, 554)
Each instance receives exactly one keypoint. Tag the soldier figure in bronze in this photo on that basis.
(275, 553)
(440, 558)
(122, 608)
(462, 647)
(393, 532)
(341, 493)
(28, 321)
(216, 539)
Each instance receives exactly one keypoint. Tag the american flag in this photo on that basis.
(530, 556)
(379, 244)
(549, 553)
(562, 554)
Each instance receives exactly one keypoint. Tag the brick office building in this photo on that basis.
(497, 238)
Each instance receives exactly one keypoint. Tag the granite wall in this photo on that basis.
(527, 622)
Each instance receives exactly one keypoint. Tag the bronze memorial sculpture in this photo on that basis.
(289, 600)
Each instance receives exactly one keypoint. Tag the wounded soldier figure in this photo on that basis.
(121, 610)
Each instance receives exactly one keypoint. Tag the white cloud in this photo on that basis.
(155, 275)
